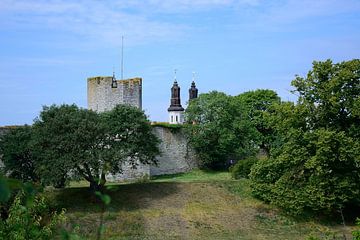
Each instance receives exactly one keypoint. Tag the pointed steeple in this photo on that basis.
(193, 91)
(175, 102)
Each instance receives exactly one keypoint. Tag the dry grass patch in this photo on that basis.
(185, 210)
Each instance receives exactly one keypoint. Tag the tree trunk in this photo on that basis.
(102, 180)
(95, 187)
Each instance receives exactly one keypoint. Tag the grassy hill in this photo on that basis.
(196, 205)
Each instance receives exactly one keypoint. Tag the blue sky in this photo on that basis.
(49, 48)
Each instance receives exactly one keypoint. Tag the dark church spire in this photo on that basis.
(193, 91)
(175, 102)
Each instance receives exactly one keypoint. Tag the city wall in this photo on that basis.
(176, 156)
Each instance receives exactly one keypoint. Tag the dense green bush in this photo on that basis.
(356, 233)
(30, 221)
(315, 162)
(24, 213)
(315, 171)
(242, 168)
(17, 155)
(167, 125)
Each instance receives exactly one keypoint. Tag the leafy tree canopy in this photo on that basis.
(17, 155)
(220, 129)
(316, 163)
(331, 93)
(73, 142)
(258, 105)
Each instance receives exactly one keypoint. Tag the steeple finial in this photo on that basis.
(193, 76)
(175, 75)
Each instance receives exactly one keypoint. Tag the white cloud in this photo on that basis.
(282, 14)
(97, 21)
(177, 6)
(140, 21)
(294, 10)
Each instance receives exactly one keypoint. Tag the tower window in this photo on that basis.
(172, 118)
(177, 119)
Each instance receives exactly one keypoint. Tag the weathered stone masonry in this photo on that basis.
(176, 154)
(103, 97)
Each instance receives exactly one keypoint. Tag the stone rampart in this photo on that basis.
(176, 154)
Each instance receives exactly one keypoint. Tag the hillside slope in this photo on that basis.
(185, 209)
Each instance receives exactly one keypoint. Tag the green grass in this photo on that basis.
(195, 205)
(193, 176)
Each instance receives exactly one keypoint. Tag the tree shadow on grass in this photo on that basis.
(122, 218)
(126, 197)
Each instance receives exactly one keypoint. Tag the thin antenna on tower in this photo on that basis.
(175, 75)
(193, 77)
(122, 57)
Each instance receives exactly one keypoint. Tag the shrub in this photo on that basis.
(17, 154)
(316, 171)
(356, 233)
(30, 218)
(167, 125)
(242, 168)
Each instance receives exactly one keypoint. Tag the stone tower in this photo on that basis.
(176, 111)
(104, 93)
(193, 91)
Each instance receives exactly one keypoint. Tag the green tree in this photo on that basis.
(80, 143)
(221, 131)
(17, 154)
(315, 170)
(315, 164)
(331, 94)
(258, 106)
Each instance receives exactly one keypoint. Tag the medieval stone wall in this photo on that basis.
(102, 97)
(130, 173)
(176, 154)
